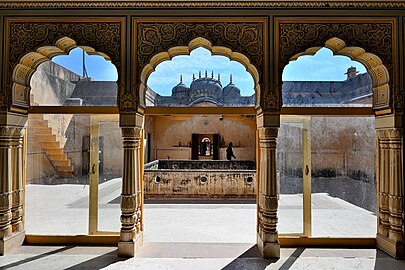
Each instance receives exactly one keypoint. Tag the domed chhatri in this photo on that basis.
(180, 90)
(205, 91)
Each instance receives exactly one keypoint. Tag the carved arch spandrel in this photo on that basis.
(242, 41)
(186, 50)
(376, 38)
(31, 42)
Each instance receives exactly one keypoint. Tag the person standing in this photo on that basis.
(229, 152)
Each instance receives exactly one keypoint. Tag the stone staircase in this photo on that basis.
(42, 134)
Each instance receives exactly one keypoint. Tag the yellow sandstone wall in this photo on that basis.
(171, 135)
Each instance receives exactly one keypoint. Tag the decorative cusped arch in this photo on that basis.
(23, 71)
(32, 41)
(242, 40)
(379, 73)
(372, 43)
(186, 50)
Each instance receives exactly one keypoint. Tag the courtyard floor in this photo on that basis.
(63, 210)
(189, 235)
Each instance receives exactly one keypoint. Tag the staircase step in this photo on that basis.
(33, 123)
(50, 145)
(36, 116)
(57, 157)
(40, 130)
(66, 174)
(61, 163)
(65, 168)
(45, 137)
(54, 151)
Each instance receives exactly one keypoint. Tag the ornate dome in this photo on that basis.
(231, 91)
(206, 87)
(181, 89)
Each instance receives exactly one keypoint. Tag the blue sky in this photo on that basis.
(96, 66)
(323, 66)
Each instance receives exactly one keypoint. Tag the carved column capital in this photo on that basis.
(268, 132)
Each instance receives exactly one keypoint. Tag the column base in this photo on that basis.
(395, 249)
(12, 242)
(268, 249)
(129, 249)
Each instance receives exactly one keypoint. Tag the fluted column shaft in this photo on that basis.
(17, 183)
(267, 195)
(390, 235)
(5, 181)
(131, 193)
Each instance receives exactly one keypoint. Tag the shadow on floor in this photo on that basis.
(383, 261)
(37, 257)
(252, 260)
(99, 262)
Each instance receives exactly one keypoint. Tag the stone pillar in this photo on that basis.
(390, 233)
(267, 238)
(17, 184)
(5, 181)
(131, 236)
(11, 190)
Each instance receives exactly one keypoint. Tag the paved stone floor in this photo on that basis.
(196, 256)
(65, 210)
(190, 235)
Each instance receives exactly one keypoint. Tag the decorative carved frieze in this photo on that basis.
(203, 4)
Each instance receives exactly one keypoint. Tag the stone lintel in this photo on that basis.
(395, 249)
(130, 248)
(268, 249)
(11, 243)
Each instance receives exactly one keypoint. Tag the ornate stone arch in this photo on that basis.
(32, 42)
(243, 40)
(26, 67)
(372, 43)
(185, 50)
(379, 73)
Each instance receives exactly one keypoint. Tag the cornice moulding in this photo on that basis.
(200, 4)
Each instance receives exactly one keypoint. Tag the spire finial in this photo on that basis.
(219, 77)
(206, 74)
(212, 74)
(199, 74)
(181, 78)
(230, 79)
(193, 77)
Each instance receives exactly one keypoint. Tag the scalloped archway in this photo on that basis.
(374, 66)
(186, 50)
(28, 64)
